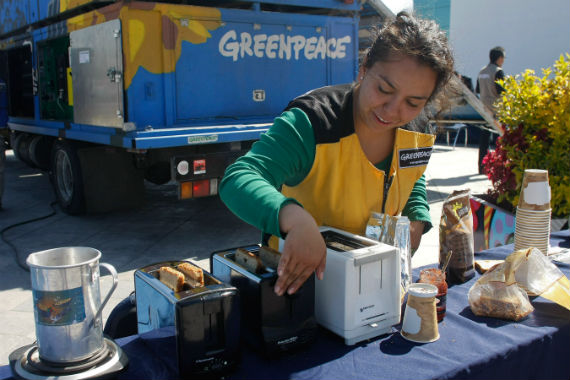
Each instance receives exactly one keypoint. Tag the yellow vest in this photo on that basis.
(344, 187)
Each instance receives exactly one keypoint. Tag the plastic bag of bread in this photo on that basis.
(536, 274)
(502, 292)
(499, 300)
(456, 235)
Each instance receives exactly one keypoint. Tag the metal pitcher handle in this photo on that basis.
(113, 273)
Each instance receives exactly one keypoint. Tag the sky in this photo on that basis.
(398, 5)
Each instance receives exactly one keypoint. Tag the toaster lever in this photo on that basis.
(369, 257)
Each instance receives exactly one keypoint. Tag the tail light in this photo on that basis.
(200, 188)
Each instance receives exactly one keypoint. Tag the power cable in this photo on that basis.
(24, 266)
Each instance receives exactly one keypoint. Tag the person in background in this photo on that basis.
(489, 91)
(340, 152)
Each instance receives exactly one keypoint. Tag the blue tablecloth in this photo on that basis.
(469, 347)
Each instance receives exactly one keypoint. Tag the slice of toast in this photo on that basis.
(269, 257)
(171, 278)
(194, 275)
(483, 266)
(249, 261)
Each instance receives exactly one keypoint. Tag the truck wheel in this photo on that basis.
(67, 179)
(21, 148)
(39, 151)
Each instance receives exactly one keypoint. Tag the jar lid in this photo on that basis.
(422, 290)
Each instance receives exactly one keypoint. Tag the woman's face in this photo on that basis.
(393, 93)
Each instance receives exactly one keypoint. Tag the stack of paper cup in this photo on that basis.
(532, 228)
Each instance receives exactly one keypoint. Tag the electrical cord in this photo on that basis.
(24, 266)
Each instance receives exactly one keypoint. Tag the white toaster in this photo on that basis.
(359, 297)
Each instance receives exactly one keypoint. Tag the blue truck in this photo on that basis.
(104, 95)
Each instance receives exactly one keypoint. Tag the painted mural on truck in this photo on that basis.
(13, 16)
(143, 45)
(223, 52)
(187, 65)
(193, 25)
(17, 14)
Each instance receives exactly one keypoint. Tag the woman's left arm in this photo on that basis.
(416, 231)
(417, 210)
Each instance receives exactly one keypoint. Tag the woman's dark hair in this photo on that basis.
(407, 35)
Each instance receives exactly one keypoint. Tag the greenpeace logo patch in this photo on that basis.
(414, 157)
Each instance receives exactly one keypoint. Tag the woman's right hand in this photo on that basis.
(304, 251)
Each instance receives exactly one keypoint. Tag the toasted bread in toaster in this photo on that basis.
(269, 257)
(248, 260)
(171, 278)
(194, 275)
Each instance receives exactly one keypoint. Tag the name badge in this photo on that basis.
(414, 157)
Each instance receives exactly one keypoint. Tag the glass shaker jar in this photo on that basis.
(436, 277)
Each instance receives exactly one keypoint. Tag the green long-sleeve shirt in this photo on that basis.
(285, 155)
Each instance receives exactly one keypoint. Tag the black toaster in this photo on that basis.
(270, 324)
(206, 320)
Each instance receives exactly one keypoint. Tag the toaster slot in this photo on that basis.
(262, 270)
(209, 280)
(213, 329)
(342, 243)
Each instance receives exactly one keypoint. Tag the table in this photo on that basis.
(469, 347)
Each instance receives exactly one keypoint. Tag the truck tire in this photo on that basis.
(39, 151)
(21, 148)
(67, 178)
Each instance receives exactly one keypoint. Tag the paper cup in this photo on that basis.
(532, 242)
(522, 215)
(531, 237)
(420, 317)
(535, 191)
(533, 212)
(532, 227)
(542, 245)
(533, 219)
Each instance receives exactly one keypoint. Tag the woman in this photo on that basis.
(339, 153)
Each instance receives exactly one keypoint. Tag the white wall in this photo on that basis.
(533, 32)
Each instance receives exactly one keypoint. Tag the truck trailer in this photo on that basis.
(104, 95)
